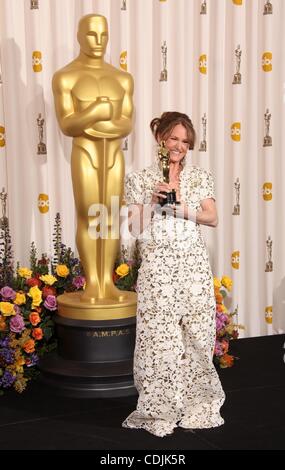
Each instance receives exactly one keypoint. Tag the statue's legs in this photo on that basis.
(86, 193)
(111, 246)
(97, 186)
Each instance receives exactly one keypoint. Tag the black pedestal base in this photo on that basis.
(94, 358)
(87, 380)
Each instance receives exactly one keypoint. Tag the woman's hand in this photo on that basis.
(156, 195)
(165, 187)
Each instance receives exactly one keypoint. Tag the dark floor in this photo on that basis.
(254, 412)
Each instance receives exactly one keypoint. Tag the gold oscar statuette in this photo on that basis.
(163, 155)
(93, 102)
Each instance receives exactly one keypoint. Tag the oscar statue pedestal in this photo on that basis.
(95, 348)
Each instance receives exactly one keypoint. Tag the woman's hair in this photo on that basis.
(162, 127)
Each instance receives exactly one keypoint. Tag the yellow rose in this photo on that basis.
(227, 282)
(217, 283)
(122, 270)
(36, 295)
(7, 309)
(20, 298)
(18, 365)
(25, 272)
(48, 279)
(62, 270)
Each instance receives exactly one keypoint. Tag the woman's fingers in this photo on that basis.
(160, 195)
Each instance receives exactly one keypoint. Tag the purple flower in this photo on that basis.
(17, 324)
(221, 320)
(4, 343)
(33, 360)
(218, 349)
(219, 324)
(6, 355)
(7, 293)
(7, 379)
(17, 309)
(50, 303)
(78, 282)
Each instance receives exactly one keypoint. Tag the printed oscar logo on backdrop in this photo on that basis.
(268, 8)
(96, 325)
(203, 10)
(267, 191)
(269, 262)
(163, 73)
(3, 199)
(236, 210)
(2, 136)
(124, 5)
(235, 259)
(43, 203)
(34, 5)
(237, 2)
(269, 314)
(267, 141)
(203, 143)
(123, 60)
(237, 75)
(37, 61)
(267, 61)
(125, 146)
(41, 145)
(236, 131)
(203, 63)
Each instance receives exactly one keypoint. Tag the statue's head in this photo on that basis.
(92, 35)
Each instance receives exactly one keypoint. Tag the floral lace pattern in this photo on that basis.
(173, 362)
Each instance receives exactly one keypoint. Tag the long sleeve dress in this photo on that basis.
(173, 361)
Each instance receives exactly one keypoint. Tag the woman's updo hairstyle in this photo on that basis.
(162, 127)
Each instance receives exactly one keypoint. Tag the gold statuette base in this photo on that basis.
(70, 306)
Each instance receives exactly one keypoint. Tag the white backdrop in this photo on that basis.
(201, 63)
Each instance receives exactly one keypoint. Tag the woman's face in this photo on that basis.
(177, 143)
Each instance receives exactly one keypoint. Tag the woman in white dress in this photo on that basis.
(173, 361)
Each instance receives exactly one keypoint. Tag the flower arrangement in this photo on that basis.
(226, 329)
(28, 301)
(126, 270)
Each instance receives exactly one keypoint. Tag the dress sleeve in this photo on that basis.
(207, 189)
(134, 188)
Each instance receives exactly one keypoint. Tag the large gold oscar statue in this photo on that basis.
(96, 327)
(93, 102)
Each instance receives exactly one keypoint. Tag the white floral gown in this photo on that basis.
(173, 361)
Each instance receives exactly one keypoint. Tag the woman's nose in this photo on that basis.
(179, 146)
